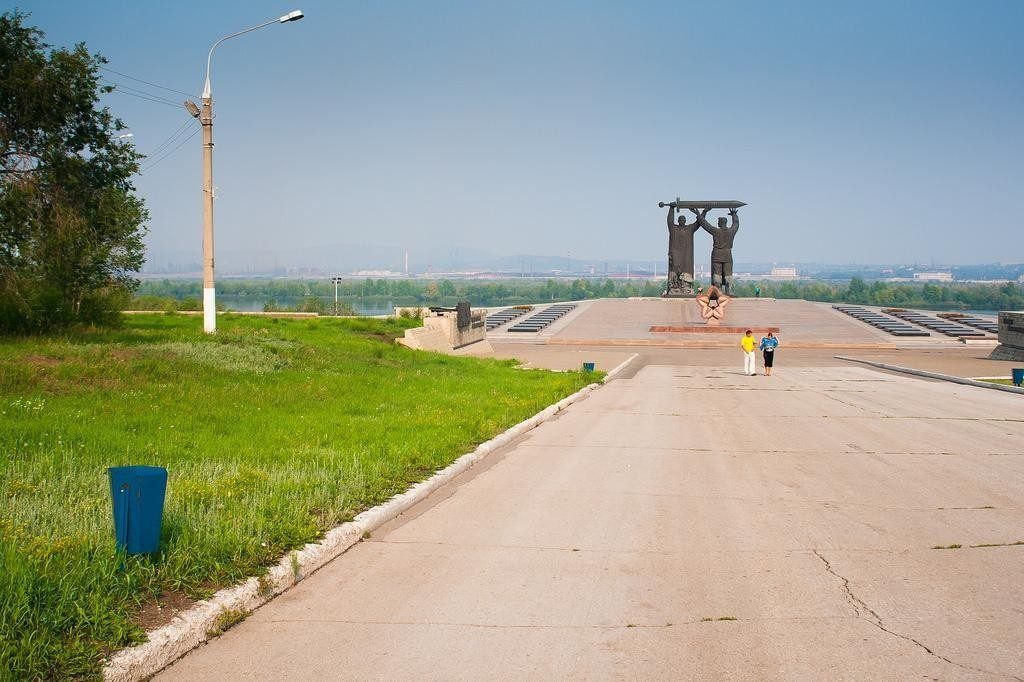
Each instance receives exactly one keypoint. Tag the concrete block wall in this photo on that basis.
(426, 338)
(441, 332)
(1011, 336)
(447, 323)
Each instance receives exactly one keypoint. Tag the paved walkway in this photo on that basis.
(962, 362)
(628, 322)
(685, 523)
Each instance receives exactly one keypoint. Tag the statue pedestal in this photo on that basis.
(679, 289)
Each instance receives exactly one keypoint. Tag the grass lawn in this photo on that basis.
(273, 431)
(1004, 382)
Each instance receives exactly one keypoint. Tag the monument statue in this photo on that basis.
(721, 251)
(712, 305)
(680, 252)
(680, 244)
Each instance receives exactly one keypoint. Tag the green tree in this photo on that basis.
(70, 225)
(578, 290)
(931, 293)
(857, 292)
(446, 288)
(312, 304)
(787, 290)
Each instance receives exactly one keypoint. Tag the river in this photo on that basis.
(249, 304)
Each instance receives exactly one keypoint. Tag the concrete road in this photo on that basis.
(962, 362)
(689, 523)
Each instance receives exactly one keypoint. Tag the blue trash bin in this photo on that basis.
(1018, 375)
(138, 494)
(588, 366)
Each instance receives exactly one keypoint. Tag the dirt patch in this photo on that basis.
(40, 360)
(124, 354)
(381, 336)
(49, 383)
(160, 611)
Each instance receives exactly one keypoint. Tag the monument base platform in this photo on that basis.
(1004, 352)
(713, 329)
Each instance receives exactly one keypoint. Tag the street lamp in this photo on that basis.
(205, 116)
(337, 281)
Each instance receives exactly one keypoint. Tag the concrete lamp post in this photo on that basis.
(205, 116)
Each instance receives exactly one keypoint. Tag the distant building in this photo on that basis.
(776, 273)
(376, 273)
(783, 273)
(933, 276)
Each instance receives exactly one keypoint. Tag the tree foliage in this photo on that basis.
(291, 294)
(70, 225)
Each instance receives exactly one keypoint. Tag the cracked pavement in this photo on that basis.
(689, 523)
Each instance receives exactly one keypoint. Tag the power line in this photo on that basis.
(171, 151)
(165, 102)
(139, 80)
(167, 142)
(137, 91)
(120, 87)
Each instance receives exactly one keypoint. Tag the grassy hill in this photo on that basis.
(272, 431)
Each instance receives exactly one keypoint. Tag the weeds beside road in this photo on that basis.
(272, 431)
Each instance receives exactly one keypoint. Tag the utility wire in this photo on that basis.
(165, 102)
(164, 149)
(173, 136)
(139, 80)
(128, 88)
(171, 151)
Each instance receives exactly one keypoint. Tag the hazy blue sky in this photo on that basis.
(858, 132)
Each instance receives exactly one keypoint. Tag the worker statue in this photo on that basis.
(721, 251)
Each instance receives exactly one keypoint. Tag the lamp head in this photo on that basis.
(294, 15)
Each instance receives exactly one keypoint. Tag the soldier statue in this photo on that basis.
(680, 252)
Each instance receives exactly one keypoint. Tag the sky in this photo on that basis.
(861, 132)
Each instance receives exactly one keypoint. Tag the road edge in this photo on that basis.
(933, 375)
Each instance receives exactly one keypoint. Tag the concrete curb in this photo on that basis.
(619, 368)
(190, 628)
(933, 375)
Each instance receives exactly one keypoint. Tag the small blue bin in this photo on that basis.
(1018, 375)
(137, 494)
(588, 366)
